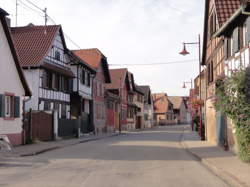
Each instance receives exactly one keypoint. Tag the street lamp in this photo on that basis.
(185, 52)
(184, 84)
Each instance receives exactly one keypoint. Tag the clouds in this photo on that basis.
(132, 31)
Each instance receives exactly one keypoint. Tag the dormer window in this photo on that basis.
(58, 55)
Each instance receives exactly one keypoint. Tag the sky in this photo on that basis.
(128, 32)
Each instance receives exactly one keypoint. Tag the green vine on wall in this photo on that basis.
(233, 101)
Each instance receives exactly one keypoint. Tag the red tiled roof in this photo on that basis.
(117, 78)
(33, 42)
(91, 56)
(225, 9)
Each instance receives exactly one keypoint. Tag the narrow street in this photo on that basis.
(150, 158)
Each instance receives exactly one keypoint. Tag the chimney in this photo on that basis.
(8, 21)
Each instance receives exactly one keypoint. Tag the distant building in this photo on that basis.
(180, 109)
(148, 107)
(163, 109)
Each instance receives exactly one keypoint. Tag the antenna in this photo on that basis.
(45, 19)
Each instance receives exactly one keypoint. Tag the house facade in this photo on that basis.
(120, 86)
(139, 102)
(236, 34)
(180, 109)
(14, 87)
(132, 107)
(96, 59)
(113, 106)
(44, 58)
(81, 97)
(213, 57)
(148, 109)
(163, 109)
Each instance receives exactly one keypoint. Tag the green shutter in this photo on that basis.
(2, 106)
(16, 107)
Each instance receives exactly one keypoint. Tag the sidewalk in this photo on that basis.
(223, 163)
(41, 147)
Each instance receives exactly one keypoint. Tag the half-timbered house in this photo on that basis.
(96, 59)
(236, 33)
(81, 97)
(148, 109)
(13, 87)
(139, 102)
(44, 58)
(217, 12)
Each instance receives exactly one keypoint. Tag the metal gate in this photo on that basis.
(42, 125)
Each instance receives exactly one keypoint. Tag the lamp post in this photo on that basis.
(185, 52)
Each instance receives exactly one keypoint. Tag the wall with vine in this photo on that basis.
(233, 99)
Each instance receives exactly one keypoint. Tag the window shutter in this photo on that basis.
(226, 48)
(2, 106)
(236, 40)
(70, 85)
(16, 107)
(248, 30)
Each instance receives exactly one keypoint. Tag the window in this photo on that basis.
(57, 55)
(9, 106)
(88, 79)
(55, 82)
(210, 72)
(47, 105)
(64, 111)
(212, 24)
(236, 40)
(83, 76)
(46, 79)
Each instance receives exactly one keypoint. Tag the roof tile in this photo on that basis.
(225, 9)
(33, 42)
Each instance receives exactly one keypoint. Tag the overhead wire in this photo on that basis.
(28, 8)
(25, 6)
(155, 64)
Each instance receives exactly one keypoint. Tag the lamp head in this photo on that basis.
(184, 85)
(184, 51)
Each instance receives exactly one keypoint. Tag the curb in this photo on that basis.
(223, 175)
(62, 146)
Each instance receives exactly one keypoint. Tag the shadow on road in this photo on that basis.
(156, 144)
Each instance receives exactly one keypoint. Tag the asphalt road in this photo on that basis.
(151, 158)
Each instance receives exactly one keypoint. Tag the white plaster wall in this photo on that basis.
(84, 91)
(32, 77)
(10, 82)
